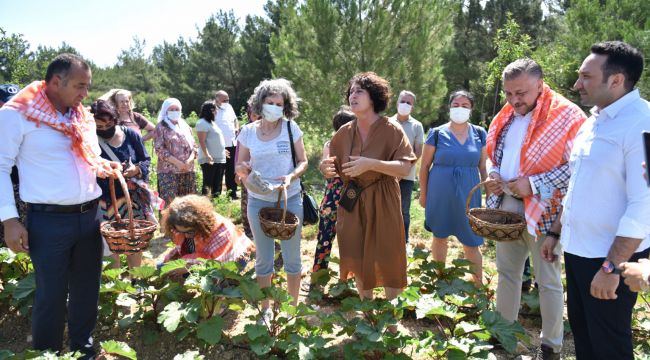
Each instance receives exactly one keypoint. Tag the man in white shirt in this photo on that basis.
(528, 147)
(605, 213)
(226, 120)
(49, 135)
(415, 132)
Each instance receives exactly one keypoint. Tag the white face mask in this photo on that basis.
(272, 113)
(173, 115)
(459, 115)
(404, 109)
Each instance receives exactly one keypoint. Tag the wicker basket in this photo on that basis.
(126, 236)
(496, 224)
(276, 222)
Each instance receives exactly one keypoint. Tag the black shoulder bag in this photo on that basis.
(309, 208)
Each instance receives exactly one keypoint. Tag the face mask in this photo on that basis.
(173, 115)
(106, 134)
(404, 109)
(459, 115)
(272, 113)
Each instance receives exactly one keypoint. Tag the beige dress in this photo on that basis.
(371, 236)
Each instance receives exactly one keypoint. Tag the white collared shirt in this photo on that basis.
(511, 161)
(226, 118)
(607, 195)
(49, 171)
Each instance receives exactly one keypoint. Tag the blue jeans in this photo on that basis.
(406, 189)
(264, 245)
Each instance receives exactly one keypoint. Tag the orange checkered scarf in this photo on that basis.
(33, 103)
(547, 143)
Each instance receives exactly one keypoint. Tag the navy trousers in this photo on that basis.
(406, 190)
(602, 329)
(66, 250)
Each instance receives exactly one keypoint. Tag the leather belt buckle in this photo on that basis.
(87, 206)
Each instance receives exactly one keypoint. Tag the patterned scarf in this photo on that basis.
(34, 105)
(546, 145)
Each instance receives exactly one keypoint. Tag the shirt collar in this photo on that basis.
(614, 108)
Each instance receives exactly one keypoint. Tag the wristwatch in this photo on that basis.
(608, 267)
(553, 234)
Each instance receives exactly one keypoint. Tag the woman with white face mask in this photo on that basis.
(453, 162)
(176, 149)
(265, 150)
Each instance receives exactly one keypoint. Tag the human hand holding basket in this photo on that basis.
(496, 224)
(126, 235)
(277, 222)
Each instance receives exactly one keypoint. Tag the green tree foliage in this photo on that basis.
(587, 22)
(510, 45)
(323, 43)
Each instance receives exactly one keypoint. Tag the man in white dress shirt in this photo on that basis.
(51, 138)
(528, 148)
(606, 212)
(226, 119)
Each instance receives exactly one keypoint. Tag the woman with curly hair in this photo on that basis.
(265, 148)
(370, 154)
(200, 233)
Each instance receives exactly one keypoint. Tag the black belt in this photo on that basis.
(68, 209)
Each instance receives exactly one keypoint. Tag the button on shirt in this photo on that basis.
(49, 171)
(607, 195)
(225, 118)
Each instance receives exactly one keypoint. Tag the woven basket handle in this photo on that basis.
(129, 206)
(277, 204)
(471, 192)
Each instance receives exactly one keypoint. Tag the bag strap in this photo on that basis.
(107, 149)
(293, 152)
(436, 131)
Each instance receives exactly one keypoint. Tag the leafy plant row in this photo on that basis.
(460, 320)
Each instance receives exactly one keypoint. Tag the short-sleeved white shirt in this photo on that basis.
(272, 159)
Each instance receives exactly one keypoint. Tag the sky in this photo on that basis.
(101, 30)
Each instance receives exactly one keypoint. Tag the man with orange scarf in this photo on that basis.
(51, 137)
(528, 147)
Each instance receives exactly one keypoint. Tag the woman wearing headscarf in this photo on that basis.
(176, 150)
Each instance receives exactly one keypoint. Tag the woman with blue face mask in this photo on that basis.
(174, 144)
(265, 154)
(453, 162)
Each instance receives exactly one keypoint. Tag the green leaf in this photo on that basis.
(150, 336)
(119, 348)
(506, 332)
(431, 305)
(143, 272)
(25, 287)
(124, 299)
(368, 332)
(255, 331)
(112, 274)
(210, 330)
(251, 291)
(172, 265)
(262, 346)
(171, 316)
(4, 354)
